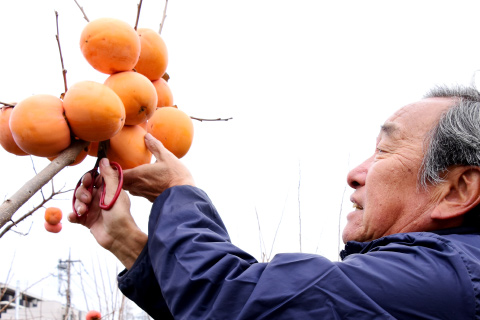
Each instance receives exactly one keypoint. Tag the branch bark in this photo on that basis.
(12, 204)
(217, 119)
(163, 18)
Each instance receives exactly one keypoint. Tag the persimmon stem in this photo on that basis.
(163, 18)
(217, 119)
(64, 71)
(81, 9)
(139, 5)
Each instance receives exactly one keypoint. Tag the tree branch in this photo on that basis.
(45, 200)
(7, 105)
(163, 18)
(12, 204)
(64, 71)
(218, 119)
(139, 6)
(81, 9)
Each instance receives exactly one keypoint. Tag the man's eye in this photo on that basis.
(380, 150)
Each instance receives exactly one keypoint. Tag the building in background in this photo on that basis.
(16, 305)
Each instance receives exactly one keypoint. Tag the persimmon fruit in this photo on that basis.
(53, 228)
(128, 148)
(174, 128)
(153, 59)
(6, 137)
(164, 94)
(94, 111)
(110, 45)
(53, 215)
(39, 126)
(93, 315)
(137, 93)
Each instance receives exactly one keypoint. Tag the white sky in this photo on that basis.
(308, 84)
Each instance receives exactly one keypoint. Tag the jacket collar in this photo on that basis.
(352, 247)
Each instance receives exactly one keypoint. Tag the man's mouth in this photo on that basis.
(356, 206)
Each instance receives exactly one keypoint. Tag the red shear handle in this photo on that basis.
(117, 193)
(102, 204)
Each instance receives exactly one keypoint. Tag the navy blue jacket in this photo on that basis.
(189, 269)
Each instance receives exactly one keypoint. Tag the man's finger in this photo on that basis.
(110, 177)
(155, 146)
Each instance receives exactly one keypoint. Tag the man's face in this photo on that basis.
(387, 199)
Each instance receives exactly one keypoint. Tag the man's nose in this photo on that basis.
(357, 176)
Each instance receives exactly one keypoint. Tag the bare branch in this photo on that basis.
(24, 233)
(163, 18)
(45, 200)
(12, 204)
(8, 105)
(218, 119)
(64, 71)
(15, 297)
(260, 235)
(139, 6)
(278, 227)
(81, 9)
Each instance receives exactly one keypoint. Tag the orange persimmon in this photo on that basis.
(94, 111)
(137, 93)
(6, 137)
(53, 215)
(39, 127)
(153, 59)
(164, 94)
(128, 147)
(93, 315)
(53, 228)
(174, 128)
(110, 45)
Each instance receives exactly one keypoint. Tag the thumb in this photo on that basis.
(110, 177)
(155, 146)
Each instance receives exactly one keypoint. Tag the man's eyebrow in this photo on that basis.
(389, 128)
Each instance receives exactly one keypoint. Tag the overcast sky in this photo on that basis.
(307, 83)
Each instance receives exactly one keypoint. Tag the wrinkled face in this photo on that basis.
(387, 199)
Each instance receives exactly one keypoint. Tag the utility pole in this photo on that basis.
(65, 266)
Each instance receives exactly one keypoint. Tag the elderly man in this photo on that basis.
(412, 243)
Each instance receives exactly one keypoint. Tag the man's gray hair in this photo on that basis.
(455, 140)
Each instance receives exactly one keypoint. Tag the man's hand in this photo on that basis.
(114, 229)
(150, 180)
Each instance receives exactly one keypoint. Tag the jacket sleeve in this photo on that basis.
(202, 275)
(139, 285)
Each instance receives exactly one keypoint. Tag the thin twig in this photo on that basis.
(83, 288)
(139, 6)
(217, 119)
(8, 105)
(12, 204)
(22, 292)
(64, 71)
(278, 227)
(81, 9)
(262, 242)
(163, 18)
(45, 200)
(33, 165)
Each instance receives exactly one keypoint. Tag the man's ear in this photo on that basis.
(460, 193)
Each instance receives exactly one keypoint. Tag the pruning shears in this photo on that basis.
(102, 153)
